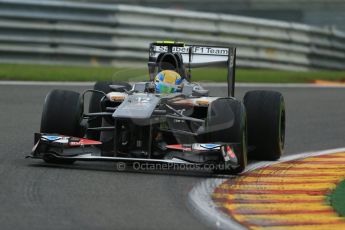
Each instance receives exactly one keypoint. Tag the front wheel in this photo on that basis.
(266, 124)
(62, 114)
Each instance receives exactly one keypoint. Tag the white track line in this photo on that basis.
(201, 203)
(206, 84)
(200, 196)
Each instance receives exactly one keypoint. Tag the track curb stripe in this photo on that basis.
(258, 213)
(205, 208)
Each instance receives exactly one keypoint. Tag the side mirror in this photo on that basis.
(187, 90)
(140, 87)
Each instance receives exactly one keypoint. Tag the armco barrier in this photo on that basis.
(60, 32)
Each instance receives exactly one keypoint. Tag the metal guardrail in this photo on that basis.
(60, 32)
(313, 12)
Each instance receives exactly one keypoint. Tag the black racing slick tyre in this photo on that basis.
(95, 105)
(62, 114)
(226, 122)
(266, 124)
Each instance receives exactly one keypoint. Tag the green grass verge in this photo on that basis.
(69, 73)
(337, 199)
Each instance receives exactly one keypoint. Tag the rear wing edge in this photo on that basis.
(231, 72)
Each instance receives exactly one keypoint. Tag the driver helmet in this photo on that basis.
(167, 81)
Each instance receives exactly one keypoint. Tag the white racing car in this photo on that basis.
(167, 120)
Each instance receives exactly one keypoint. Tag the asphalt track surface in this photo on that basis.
(97, 196)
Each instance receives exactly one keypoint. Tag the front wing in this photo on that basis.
(223, 155)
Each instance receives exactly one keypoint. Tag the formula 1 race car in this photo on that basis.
(145, 123)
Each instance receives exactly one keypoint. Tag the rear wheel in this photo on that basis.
(226, 122)
(95, 105)
(266, 124)
(62, 114)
